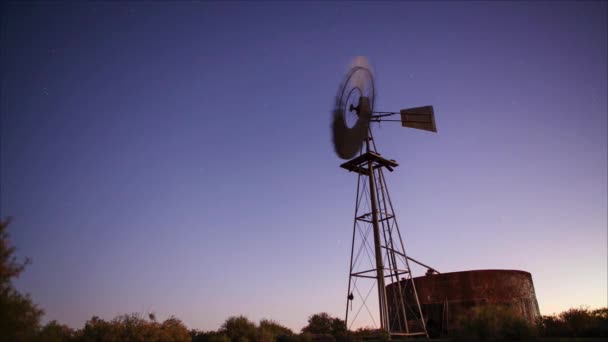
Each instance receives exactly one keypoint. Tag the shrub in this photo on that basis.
(208, 336)
(55, 332)
(322, 326)
(491, 323)
(576, 322)
(239, 329)
(271, 331)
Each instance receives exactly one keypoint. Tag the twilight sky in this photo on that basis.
(175, 157)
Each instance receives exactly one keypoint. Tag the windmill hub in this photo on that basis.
(362, 107)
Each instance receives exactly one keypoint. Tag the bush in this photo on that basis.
(239, 329)
(576, 322)
(271, 331)
(55, 332)
(491, 323)
(323, 326)
(208, 336)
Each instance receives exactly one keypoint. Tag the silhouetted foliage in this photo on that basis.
(576, 322)
(133, 328)
(319, 324)
(270, 330)
(323, 324)
(96, 329)
(208, 336)
(491, 323)
(56, 332)
(239, 329)
(19, 317)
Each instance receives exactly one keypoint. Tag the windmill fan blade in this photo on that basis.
(358, 91)
(359, 79)
(360, 61)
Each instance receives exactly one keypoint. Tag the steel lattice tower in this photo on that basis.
(382, 260)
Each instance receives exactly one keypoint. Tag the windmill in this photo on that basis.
(383, 260)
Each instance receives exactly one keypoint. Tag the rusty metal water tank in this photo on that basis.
(446, 297)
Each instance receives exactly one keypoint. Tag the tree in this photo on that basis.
(173, 330)
(19, 317)
(323, 323)
(270, 330)
(55, 332)
(318, 324)
(239, 329)
(97, 329)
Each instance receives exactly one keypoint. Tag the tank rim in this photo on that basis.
(492, 270)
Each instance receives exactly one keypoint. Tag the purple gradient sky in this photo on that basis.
(176, 158)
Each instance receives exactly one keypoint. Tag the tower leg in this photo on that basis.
(382, 304)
